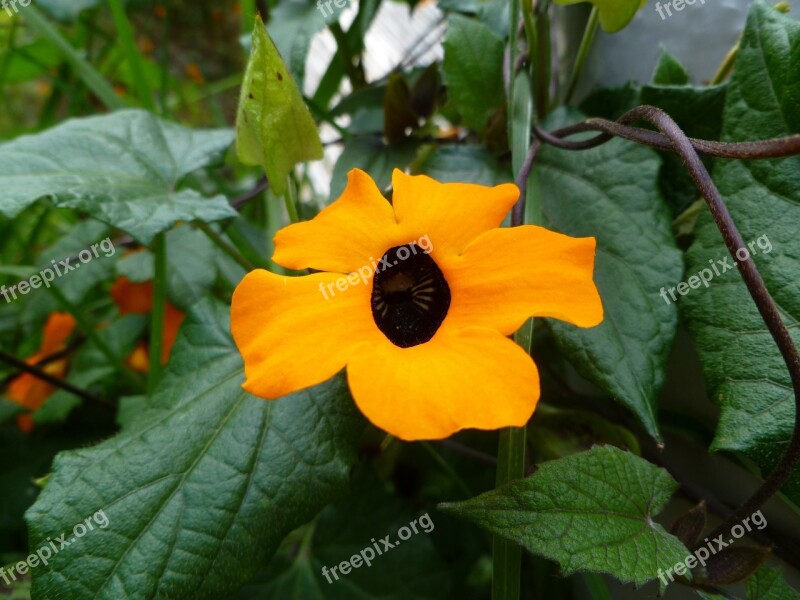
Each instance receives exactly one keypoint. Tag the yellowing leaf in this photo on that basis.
(614, 14)
(273, 127)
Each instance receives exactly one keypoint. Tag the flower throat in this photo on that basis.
(410, 297)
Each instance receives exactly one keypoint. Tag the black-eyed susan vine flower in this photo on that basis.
(424, 336)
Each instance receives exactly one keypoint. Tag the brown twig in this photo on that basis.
(37, 372)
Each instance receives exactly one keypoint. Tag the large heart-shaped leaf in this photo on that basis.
(200, 489)
(591, 511)
(123, 168)
(742, 365)
(611, 193)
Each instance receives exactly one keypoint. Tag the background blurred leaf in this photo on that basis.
(589, 511)
(614, 14)
(473, 70)
(373, 155)
(191, 266)
(768, 584)
(469, 164)
(67, 10)
(122, 168)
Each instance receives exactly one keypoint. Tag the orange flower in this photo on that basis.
(416, 300)
(30, 391)
(137, 299)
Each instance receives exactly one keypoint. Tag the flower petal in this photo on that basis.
(56, 332)
(507, 275)
(469, 378)
(291, 336)
(452, 214)
(356, 228)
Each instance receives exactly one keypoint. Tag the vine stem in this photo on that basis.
(157, 316)
(686, 148)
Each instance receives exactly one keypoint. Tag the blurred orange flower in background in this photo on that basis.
(137, 299)
(30, 391)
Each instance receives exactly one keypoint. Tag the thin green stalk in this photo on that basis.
(90, 76)
(583, 51)
(596, 585)
(131, 53)
(290, 199)
(91, 333)
(543, 65)
(507, 555)
(355, 73)
(248, 15)
(250, 252)
(448, 469)
(220, 242)
(157, 316)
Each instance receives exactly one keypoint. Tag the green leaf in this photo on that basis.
(200, 489)
(611, 193)
(67, 10)
(669, 70)
(768, 584)
(743, 367)
(473, 70)
(75, 285)
(122, 168)
(292, 26)
(191, 266)
(399, 115)
(372, 155)
(591, 511)
(412, 570)
(614, 14)
(274, 127)
(468, 164)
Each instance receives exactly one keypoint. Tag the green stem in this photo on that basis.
(543, 63)
(583, 52)
(90, 332)
(220, 242)
(90, 76)
(354, 73)
(131, 52)
(507, 555)
(157, 316)
(290, 199)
